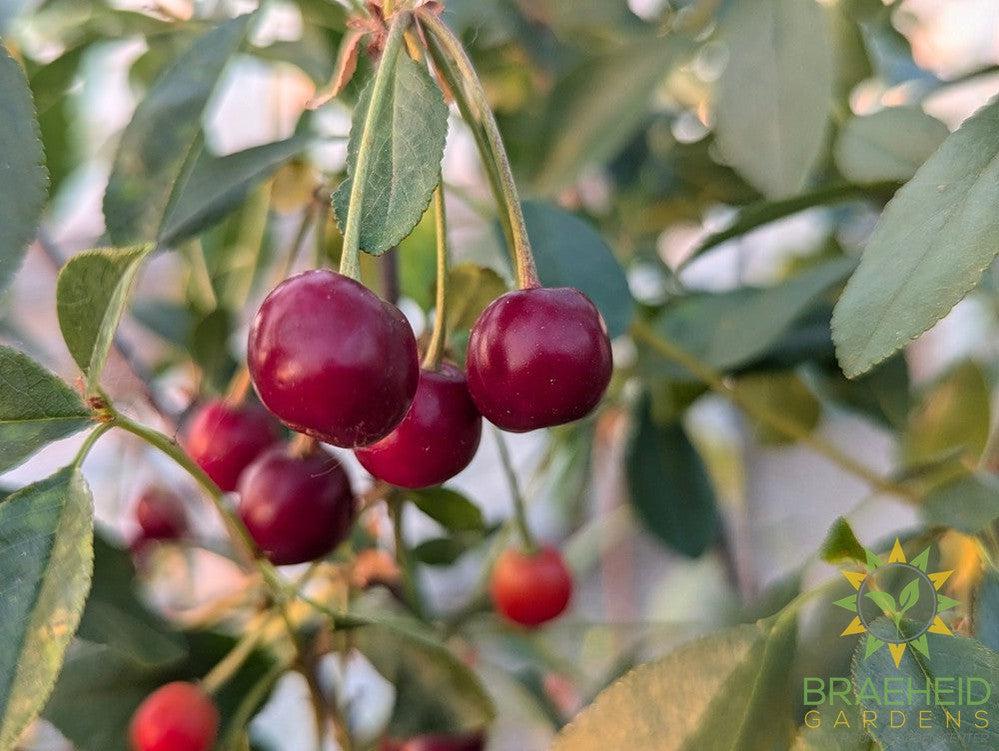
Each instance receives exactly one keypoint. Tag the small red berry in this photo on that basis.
(531, 589)
(176, 717)
(296, 508)
(435, 440)
(537, 358)
(332, 360)
(467, 742)
(161, 515)
(224, 438)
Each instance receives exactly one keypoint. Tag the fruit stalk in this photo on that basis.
(520, 511)
(435, 349)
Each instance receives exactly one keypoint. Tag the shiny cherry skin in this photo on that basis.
(176, 717)
(161, 515)
(332, 360)
(531, 589)
(538, 357)
(224, 438)
(296, 508)
(465, 742)
(435, 440)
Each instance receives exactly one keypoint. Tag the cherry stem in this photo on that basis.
(302, 445)
(454, 64)
(238, 388)
(350, 261)
(520, 510)
(438, 338)
(411, 586)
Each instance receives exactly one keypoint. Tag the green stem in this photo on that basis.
(520, 510)
(89, 441)
(435, 349)
(410, 584)
(229, 665)
(350, 261)
(454, 64)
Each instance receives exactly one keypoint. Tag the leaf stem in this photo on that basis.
(350, 261)
(454, 64)
(411, 586)
(520, 510)
(438, 339)
(89, 441)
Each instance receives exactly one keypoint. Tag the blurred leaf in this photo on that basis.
(46, 559)
(675, 703)
(440, 551)
(164, 139)
(934, 240)
(985, 613)
(968, 504)
(209, 347)
(35, 408)
(883, 393)
(470, 289)
(448, 508)
(91, 295)
(417, 263)
(669, 485)
(168, 320)
(570, 253)
(404, 165)
(772, 101)
(852, 62)
(888, 145)
(24, 181)
(841, 544)
(784, 392)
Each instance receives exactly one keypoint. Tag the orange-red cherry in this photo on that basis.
(176, 717)
(531, 588)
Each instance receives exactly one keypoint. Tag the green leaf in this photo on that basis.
(570, 253)
(934, 240)
(35, 408)
(781, 391)
(909, 596)
(24, 181)
(470, 288)
(949, 657)
(209, 348)
(723, 692)
(440, 551)
(91, 295)
(448, 508)
(218, 185)
(404, 166)
(985, 610)
(46, 559)
(969, 504)
(888, 145)
(884, 601)
(669, 485)
(772, 101)
(164, 138)
(841, 544)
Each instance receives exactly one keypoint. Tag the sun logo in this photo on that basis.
(897, 603)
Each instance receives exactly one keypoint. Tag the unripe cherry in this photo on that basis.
(296, 508)
(224, 438)
(531, 588)
(538, 357)
(176, 717)
(435, 440)
(160, 515)
(332, 360)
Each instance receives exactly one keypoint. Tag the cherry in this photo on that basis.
(296, 508)
(467, 742)
(161, 515)
(537, 358)
(176, 717)
(531, 589)
(435, 440)
(332, 360)
(224, 438)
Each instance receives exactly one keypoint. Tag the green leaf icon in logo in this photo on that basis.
(909, 596)
(884, 601)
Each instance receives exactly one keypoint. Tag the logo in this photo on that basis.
(897, 603)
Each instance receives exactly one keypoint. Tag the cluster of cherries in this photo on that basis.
(333, 361)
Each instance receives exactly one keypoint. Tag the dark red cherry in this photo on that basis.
(176, 717)
(332, 360)
(161, 515)
(531, 589)
(435, 440)
(538, 357)
(296, 508)
(466, 742)
(224, 438)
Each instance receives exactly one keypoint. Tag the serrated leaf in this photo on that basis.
(450, 509)
(772, 101)
(46, 559)
(91, 295)
(163, 139)
(841, 544)
(470, 288)
(23, 180)
(669, 485)
(887, 145)
(969, 504)
(404, 166)
(35, 408)
(934, 240)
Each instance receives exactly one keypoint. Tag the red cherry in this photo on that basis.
(537, 358)
(531, 589)
(296, 508)
(332, 360)
(161, 515)
(435, 440)
(467, 742)
(176, 717)
(224, 438)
